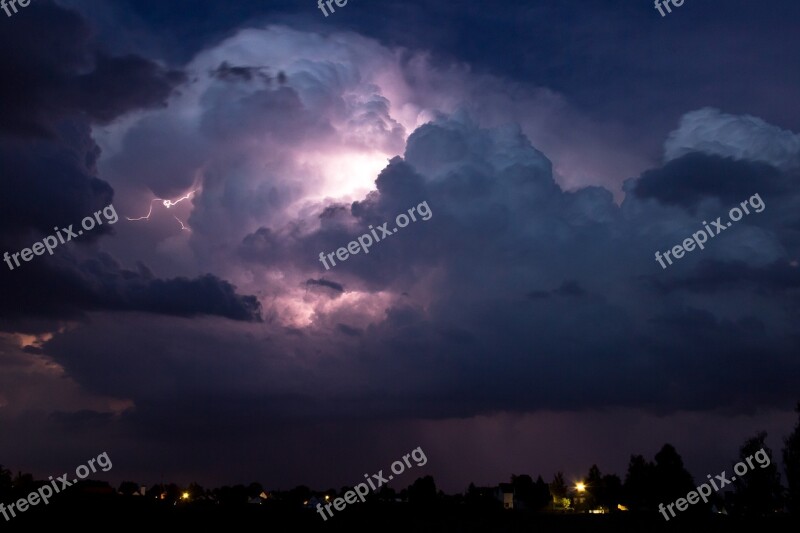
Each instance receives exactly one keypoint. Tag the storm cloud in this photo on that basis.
(204, 320)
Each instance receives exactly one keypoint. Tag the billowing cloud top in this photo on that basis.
(298, 143)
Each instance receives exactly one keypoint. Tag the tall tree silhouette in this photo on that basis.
(640, 484)
(558, 488)
(758, 491)
(672, 479)
(594, 486)
(541, 494)
(603, 490)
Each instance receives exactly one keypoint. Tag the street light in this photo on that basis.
(580, 496)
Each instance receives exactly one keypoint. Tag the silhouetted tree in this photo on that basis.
(639, 487)
(423, 490)
(603, 491)
(758, 491)
(791, 462)
(558, 488)
(672, 480)
(594, 486)
(541, 494)
(610, 494)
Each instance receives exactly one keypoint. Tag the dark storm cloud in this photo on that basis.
(597, 330)
(189, 297)
(614, 330)
(58, 74)
(68, 287)
(119, 84)
(562, 48)
(688, 180)
(52, 88)
(502, 229)
(50, 182)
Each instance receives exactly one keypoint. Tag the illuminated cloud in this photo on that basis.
(710, 131)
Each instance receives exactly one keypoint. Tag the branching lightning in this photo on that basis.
(166, 203)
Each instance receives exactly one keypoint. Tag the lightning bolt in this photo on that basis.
(166, 203)
(181, 223)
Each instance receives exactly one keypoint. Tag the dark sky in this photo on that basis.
(524, 327)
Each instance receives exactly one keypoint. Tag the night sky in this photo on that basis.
(525, 327)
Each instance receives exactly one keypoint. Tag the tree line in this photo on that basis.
(646, 485)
